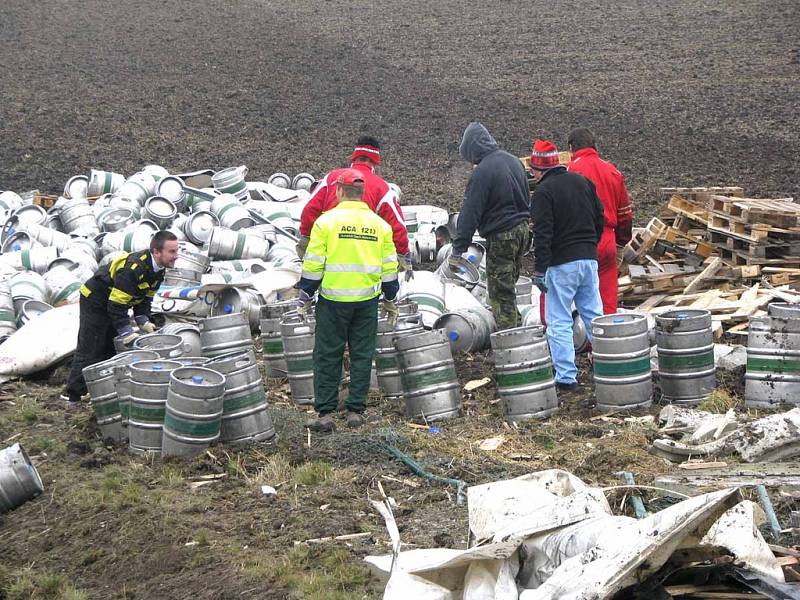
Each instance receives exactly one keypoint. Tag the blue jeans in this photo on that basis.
(573, 282)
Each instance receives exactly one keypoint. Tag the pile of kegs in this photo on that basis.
(175, 395)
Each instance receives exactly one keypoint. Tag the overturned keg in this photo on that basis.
(19, 479)
(224, 333)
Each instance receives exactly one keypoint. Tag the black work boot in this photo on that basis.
(322, 424)
(354, 420)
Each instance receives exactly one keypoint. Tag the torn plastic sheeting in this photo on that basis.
(41, 342)
(493, 505)
(634, 552)
(442, 567)
(737, 530)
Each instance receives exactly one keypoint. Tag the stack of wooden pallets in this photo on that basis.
(743, 252)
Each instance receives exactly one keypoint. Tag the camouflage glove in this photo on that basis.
(405, 265)
(128, 336)
(454, 263)
(390, 306)
(303, 305)
(145, 325)
(301, 245)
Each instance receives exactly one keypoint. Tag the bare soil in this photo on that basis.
(680, 93)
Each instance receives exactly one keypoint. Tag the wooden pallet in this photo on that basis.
(643, 241)
(700, 195)
(695, 244)
(781, 212)
(681, 206)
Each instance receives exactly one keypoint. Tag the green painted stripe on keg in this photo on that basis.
(148, 415)
(302, 365)
(124, 410)
(622, 368)
(386, 362)
(239, 248)
(427, 301)
(8, 315)
(775, 365)
(232, 405)
(676, 361)
(236, 186)
(65, 293)
(273, 347)
(107, 183)
(141, 187)
(199, 428)
(412, 228)
(225, 209)
(421, 380)
(524, 377)
(26, 260)
(127, 241)
(106, 409)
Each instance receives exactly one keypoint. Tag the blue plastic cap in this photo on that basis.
(157, 368)
(227, 308)
(619, 320)
(453, 335)
(683, 316)
(197, 379)
(16, 247)
(433, 429)
(472, 258)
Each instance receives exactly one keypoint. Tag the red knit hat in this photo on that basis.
(367, 151)
(544, 155)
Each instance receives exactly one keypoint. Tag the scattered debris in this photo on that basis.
(476, 384)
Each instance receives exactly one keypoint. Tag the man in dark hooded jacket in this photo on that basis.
(497, 204)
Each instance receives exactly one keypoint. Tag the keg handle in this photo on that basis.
(265, 221)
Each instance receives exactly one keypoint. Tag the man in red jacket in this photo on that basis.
(377, 194)
(610, 186)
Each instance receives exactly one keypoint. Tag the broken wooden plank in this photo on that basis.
(704, 275)
(772, 475)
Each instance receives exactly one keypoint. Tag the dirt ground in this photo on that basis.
(680, 93)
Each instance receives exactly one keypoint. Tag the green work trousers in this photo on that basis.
(340, 324)
(503, 264)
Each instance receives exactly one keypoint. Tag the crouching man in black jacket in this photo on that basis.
(567, 225)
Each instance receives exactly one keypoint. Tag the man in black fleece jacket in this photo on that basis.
(496, 203)
(567, 225)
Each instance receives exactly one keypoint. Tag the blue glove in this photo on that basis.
(303, 304)
(538, 281)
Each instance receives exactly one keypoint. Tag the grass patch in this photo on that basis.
(202, 537)
(27, 411)
(40, 443)
(314, 572)
(719, 401)
(26, 584)
(313, 473)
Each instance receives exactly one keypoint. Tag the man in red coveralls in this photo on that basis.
(610, 186)
(377, 194)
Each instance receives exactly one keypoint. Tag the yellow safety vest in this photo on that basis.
(352, 251)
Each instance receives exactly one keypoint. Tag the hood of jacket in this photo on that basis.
(476, 143)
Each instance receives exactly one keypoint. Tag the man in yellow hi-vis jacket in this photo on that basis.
(129, 281)
(350, 260)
